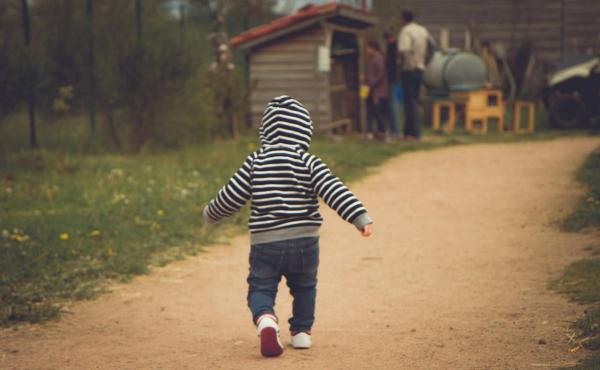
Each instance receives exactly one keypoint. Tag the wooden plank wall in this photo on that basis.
(582, 25)
(553, 26)
(289, 66)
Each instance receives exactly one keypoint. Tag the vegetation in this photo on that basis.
(587, 212)
(581, 279)
(136, 68)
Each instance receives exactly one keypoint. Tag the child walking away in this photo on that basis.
(282, 181)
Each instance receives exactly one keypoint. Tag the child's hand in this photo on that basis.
(367, 230)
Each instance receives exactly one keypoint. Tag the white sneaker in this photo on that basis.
(301, 340)
(268, 331)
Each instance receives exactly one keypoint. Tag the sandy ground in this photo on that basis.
(454, 278)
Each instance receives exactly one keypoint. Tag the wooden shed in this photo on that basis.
(315, 55)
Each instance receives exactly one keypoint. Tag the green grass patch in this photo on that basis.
(71, 220)
(590, 363)
(580, 281)
(587, 212)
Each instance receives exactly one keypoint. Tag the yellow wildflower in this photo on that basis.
(160, 212)
(64, 236)
(20, 238)
(95, 233)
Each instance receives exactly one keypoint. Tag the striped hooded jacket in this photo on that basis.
(283, 181)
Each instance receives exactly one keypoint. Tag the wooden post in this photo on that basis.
(444, 38)
(327, 39)
(518, 106)
(437, 115)
(361, 38)
(531, 125)
(89, 11)
(138, 20)
(30, 77)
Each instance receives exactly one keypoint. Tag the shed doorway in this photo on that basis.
(344, 82)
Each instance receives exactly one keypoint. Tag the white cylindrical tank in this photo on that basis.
(454, 70)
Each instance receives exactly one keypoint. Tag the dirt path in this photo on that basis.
(454, 278)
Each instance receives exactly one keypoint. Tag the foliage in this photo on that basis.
(587, 212)
(68, 222)
(581, 279)
(142, 80)
(590, 363)
(588, 327)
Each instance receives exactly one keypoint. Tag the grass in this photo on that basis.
(72, 220)
(580, 281)
(590, 363)
(587, 212)
(68, 222)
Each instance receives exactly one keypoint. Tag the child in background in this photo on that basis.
(282, 181)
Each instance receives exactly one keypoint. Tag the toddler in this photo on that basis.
(282, 181)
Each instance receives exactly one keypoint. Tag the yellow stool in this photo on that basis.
(438, 105)
(481, 105)
(519, 105)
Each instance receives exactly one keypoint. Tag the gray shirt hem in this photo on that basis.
(283, 234)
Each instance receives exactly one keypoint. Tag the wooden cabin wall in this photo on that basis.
(582, 25)
(553, 26)
(288, 66)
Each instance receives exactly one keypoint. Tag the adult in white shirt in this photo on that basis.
(412, 50)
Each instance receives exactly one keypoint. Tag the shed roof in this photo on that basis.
(302, 18)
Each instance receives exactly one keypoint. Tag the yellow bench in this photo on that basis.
(438, 105)
(480, 106)
(519, 105)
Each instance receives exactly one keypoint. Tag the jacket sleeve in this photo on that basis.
(336, 194)
(232, 196)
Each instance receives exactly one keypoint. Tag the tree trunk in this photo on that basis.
(30, 77)
(89, 11)
(110, 121)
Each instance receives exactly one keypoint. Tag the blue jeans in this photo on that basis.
(411, 85)
(394, 124)
(378, 111)
(297, 260)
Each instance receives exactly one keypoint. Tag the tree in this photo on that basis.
(226, 17)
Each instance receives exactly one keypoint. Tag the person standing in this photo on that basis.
(391, 60)
(412, 51)
(377, 81)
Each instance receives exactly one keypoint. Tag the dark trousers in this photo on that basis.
(377, 111)
(297, 260)
(411, 85)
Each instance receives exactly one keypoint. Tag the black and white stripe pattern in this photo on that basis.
(281, 179)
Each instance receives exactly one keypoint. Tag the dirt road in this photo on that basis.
(454, 278)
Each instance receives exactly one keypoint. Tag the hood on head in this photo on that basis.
(285, 121)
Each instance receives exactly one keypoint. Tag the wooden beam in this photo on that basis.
(362, 103)
(369, 19)
(280, 33)
(340, 28)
